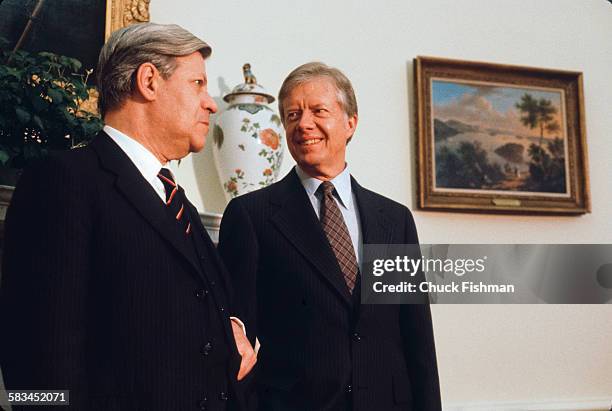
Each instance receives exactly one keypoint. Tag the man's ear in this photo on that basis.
(351, 126)
(147, 81)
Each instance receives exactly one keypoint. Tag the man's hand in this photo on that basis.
(249, 358)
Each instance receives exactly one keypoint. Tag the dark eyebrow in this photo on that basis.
(204, 79)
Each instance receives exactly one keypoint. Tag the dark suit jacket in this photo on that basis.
(103, 295)
(320, 350)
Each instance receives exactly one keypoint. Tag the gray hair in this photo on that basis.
(309, 71)
(131, 46)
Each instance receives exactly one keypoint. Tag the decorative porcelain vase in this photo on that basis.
(247, 139)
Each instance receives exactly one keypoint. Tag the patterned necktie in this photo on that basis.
(175, 199)
(338, 235)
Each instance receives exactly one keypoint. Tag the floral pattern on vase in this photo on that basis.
(248, 140)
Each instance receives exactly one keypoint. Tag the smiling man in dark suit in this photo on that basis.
(112, 288)
(294, 250)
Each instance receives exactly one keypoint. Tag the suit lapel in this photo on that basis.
(212, 255)
(376, 228)
(139, 193)
(298, 222)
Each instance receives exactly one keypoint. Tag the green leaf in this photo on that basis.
(4, 157)
(218, 136)
(91, 128)
(51, 65)
(23, 116)
(70, 119)
(38, 103)
(11, 71)
(48, 55)
(74, 64)
(55, 95)
(275, 119)
(81, 92)
(250, 108)
(38, 122)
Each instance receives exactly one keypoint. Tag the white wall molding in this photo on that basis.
(592, 404)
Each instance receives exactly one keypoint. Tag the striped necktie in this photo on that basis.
(338, 236)
(175, 200)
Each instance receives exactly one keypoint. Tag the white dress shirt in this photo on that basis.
(344, 197)
(143, 159)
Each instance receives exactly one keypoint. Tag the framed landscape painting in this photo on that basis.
(500, 138)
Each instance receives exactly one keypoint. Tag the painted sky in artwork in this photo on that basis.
(487, 106)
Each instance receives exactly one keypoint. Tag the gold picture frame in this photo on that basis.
(121, 13)
(500, 139)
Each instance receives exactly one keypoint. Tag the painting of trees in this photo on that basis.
(467, 167)
(537, 113)
(497, 137)
(547, 166)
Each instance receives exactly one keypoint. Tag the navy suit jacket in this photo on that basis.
(320, 348)
(105, 296)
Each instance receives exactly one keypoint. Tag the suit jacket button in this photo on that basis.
(201, 293)
(212, 283)
(356, 337)
(207, 348)
(349, 388)
(223, 396)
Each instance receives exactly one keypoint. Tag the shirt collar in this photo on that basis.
(342, 184)
(143, 159)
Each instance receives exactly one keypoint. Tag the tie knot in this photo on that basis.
(165, 175)
(327, 187)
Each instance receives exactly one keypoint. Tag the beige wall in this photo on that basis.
(486, 353)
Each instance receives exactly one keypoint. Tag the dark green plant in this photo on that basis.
(43, 99)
